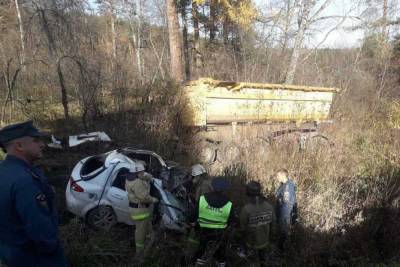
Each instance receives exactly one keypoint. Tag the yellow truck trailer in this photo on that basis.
(224, 110)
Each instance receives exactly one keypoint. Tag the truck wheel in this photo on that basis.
(260, 147)
(229, 153)
(316, 142)
(208, 153)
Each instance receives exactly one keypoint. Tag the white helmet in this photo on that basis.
(198, 169)
(139, 167)
(141, 162)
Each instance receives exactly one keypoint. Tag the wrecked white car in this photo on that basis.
(96, 190)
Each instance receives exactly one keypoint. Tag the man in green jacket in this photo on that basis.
(214, 214)
(141, 208)
(200, 185)
(257, 219)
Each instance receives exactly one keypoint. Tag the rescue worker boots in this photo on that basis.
(149, 242)
(202, 262)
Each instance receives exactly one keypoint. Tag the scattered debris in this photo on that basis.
(75, 140)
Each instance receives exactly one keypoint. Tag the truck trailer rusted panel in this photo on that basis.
(219, 102)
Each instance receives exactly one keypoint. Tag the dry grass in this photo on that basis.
(341, 187)
(348, 192)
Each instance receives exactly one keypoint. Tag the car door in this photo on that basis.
(154, 166)
(118, 196)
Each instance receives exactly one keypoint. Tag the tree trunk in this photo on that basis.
(55, 61)
(64, 97)
(287, 22)
(136, 36)
(384, 20)
(213, 19)
(175, 45)
(46, 27)
(21, 34)
(286, 28)
(225, 31)
(113, 35)
(196, 36)
(238, 52)
(10, 83)
(186, 45)
(298, 43)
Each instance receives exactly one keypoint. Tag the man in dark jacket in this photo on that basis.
(214, 215)
(257, 223)
(28, 216)
(286, 207)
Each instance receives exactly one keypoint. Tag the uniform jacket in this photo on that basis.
(257, 220)
(139, 190)
(286, 201)
(28, 217)
(216, 200)
(202, 188)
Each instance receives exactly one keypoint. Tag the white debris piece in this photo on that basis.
(55, 143)
(75, 140)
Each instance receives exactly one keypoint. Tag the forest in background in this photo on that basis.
(75, 65)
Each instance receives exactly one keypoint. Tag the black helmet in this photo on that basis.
(253, 188)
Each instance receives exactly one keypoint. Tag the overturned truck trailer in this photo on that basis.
(227, 116)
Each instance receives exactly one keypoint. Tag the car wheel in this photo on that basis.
(102, 218)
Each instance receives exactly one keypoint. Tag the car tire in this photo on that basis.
(101, 218)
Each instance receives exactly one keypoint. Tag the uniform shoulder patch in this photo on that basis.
(259, 219)
(34, 175)
(41, 200)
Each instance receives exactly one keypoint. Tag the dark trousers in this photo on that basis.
(259, 256)
(14, 256)
(214, 238)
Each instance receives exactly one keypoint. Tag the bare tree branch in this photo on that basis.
(322, 8)
(335, 17)
(324, 39)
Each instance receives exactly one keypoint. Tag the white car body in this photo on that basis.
(100, 189)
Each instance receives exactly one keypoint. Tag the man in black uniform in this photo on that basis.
(257, 223)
